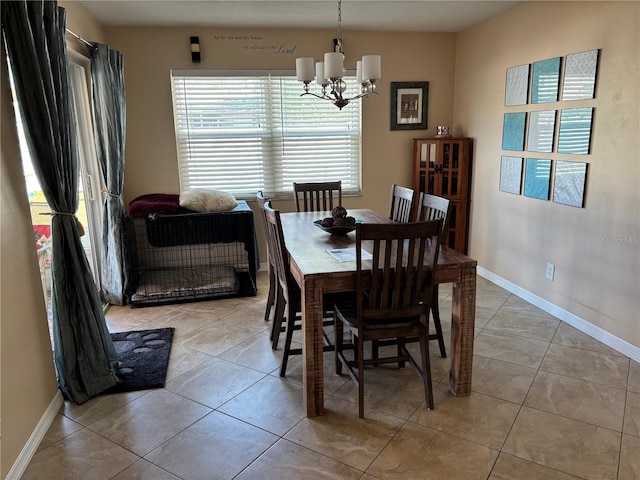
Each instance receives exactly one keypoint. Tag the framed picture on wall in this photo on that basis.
(409, 101)
(537, 178)
(570, 182)
(513, 129)
(517, 86)
(511, 175)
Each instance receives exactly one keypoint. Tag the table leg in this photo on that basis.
(463, 319)
(312, 348)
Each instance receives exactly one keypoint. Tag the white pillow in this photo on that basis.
(203, 200)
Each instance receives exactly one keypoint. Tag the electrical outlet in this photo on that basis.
(551, 269)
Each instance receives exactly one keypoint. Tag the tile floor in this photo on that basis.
(548, 402)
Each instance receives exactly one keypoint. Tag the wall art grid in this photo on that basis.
(563, 130)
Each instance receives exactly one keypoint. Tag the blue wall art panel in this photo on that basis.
(511, 175)
(513, 131)
(537, 177)
(580, 71)
(569, 183)
(575, 131)
(542, 126)
(545, 81)
(517, 86)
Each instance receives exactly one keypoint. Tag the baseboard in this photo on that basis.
(593, 331)
(25, 456)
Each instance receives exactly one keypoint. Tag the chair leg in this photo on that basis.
(401, 347)
(435, 311)
(338, 332)
(272, 294)
(426, 371)
(360, 349)
(291, 320)
(278, 318)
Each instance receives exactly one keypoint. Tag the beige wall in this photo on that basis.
(150, 54)
(595, 249)
(28, 380)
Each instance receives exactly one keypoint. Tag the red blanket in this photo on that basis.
(164, 203)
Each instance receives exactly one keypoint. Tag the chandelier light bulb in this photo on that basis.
(321, 79)
(333, 67)
(371, 67)
(304, 69)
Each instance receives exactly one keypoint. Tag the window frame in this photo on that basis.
(276, 163)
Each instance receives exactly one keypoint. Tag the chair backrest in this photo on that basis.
(315, 197)
(261, 203)
(401, 204)
(261, 200)
(400, 275)
(277, 247)
(432, 207)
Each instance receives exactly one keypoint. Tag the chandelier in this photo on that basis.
(328, 74)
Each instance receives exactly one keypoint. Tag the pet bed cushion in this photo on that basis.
(204, 200)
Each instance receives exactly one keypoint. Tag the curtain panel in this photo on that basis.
(107, 77)
(84, 353)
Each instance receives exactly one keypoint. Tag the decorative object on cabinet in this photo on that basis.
(442, 167)
(545, 81)
(569, 183)
(537, 177)
(580, 72)
(542, 126)
(511, 175)
(575, 130)
(513, 131)
(442, 131)
(409, 101)
(517, 86)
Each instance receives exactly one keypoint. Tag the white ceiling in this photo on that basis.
(390, 15)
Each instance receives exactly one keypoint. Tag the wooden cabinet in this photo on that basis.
(442, 166)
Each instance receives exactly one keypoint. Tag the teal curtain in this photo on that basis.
(107, 75)
(34, 33)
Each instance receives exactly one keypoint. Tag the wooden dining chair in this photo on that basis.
(401, 204)
(318, 196)
(433, 207)
(273, 282)
(430, 207)
(288, 291)
(275, 300)
(392, 299)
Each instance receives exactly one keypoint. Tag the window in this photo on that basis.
(253, 131)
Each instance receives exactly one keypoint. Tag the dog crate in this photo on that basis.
(188, 257)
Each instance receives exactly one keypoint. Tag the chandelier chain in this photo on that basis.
(340, 22)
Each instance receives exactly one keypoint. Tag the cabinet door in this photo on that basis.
(426, 159)
(452, 171)
(458, 226)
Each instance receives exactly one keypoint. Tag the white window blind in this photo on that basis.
(250, 132)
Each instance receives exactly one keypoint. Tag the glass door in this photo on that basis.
(90, 205)
(90, 200)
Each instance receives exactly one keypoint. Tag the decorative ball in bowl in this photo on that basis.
(339, 223)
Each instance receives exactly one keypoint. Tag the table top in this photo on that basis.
(307, 244)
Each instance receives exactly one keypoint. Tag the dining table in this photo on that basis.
(317, 272)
